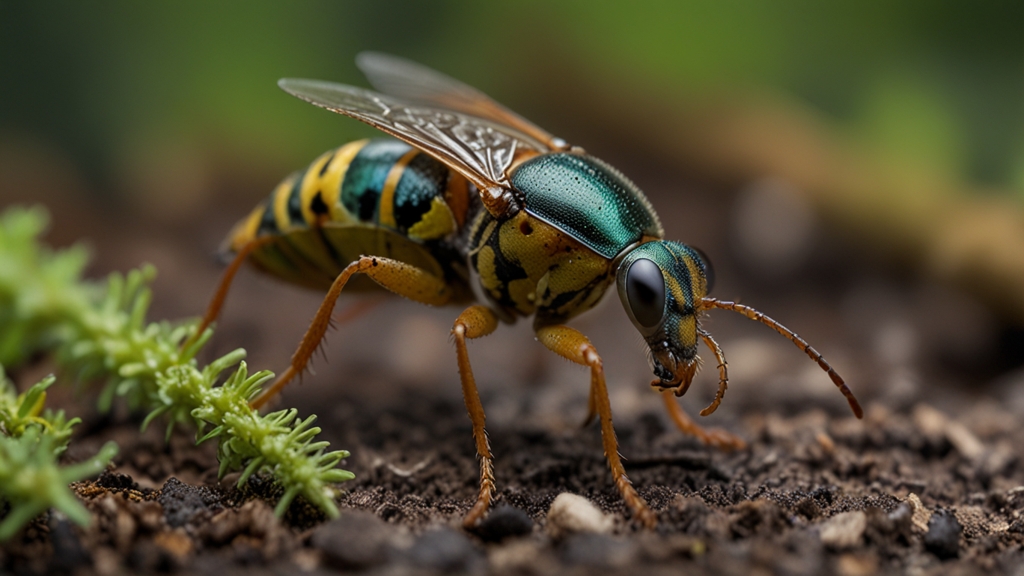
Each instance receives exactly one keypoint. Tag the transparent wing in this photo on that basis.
(411, 81)
(478, 148)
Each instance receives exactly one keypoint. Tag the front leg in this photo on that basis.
(573, 345)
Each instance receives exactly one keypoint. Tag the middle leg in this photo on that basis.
(475, 322)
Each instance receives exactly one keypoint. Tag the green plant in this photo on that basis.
(31, 482)
(101, 332)
(33, 439)
(20, 411)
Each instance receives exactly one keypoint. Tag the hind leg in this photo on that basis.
(414, 283)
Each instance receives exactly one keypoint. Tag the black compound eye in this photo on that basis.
(709, 269)
(645, 290)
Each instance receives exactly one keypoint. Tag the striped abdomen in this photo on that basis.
(370, 197)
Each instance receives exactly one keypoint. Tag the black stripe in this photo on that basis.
(318, 206)
(505, 270)
(366, 174)
(267, 223)
(330, 248)
(295, 204)
(422, 180)
(323, 169)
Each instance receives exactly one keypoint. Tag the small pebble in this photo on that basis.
(175, 542)
(504, 522)
(444, 550)
(516, 556)
(965, 441)
(943, 537)
(356, 540)
(844, 530)
(598, 550)
(572, 514)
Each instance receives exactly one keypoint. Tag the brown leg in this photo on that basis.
(398, 277)
(574, 346)
(213, 310)
(474, 322)
(591, 408)
(713, 437)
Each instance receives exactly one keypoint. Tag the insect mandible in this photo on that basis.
(474, 205)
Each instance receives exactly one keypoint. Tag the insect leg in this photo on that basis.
(708, 303)
(574, 346)
(403, 279)
(474, 322)
(222, 288)
(591, 408)
(714, 437)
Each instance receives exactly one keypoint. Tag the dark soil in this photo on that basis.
(812, 494)
(930, 482)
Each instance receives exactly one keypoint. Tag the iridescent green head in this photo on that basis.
(661, 285)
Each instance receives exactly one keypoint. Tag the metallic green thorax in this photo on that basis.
(588, 199)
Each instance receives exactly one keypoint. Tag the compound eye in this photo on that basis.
(645, 291)
(709, 269)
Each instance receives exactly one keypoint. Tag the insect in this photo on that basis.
(474, 205)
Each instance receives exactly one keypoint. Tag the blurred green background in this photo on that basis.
(897, 127)
(119, 88)
(854, 168)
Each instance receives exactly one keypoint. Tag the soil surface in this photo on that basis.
(929, 482)
(814, 493)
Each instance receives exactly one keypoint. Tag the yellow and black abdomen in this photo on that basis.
(370, 197)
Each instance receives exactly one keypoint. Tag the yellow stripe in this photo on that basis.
(386, 213)
(698, 284)
(311, 185)
(245, 231)
(438, 222)
(329, 185)
(281, 194)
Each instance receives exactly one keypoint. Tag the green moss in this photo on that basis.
(100, 331)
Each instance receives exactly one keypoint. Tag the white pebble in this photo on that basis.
(572, 514)
(844, 530)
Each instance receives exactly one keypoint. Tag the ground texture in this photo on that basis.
(900, 491)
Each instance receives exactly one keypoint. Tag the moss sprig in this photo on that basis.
(31, 481)
(39, 288)
(20, 411)
(280, 443)
(100, 331)
(33, 439)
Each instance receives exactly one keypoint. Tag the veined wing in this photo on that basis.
(482, 150)
(412, 81)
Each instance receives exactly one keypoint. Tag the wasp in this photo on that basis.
(470, 204)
